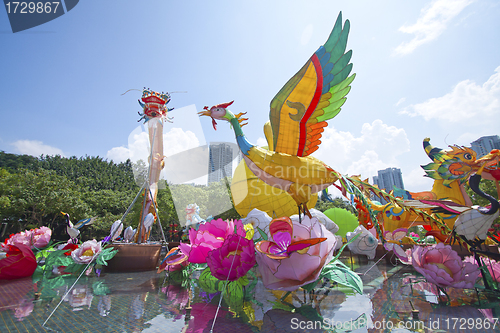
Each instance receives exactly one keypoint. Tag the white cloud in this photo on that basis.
(401, 101)
(415, 180)
(174, 141)
(377, 148)
(468, 103)
(138, 148)
(118, 154)
(35, 148)
(433, 21)
(177, 140)
(261, 142)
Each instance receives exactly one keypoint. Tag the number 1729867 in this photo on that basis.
(469, 323)
(32, 7)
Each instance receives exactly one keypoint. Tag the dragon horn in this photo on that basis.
(433, 152)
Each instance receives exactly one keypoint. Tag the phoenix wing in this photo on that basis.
(314, 95)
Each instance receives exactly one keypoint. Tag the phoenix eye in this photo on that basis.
(468, 156)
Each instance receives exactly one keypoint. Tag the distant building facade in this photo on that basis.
(485, 144)
(220, 163)
(387, 179)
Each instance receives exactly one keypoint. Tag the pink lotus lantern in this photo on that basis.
(233, 259)
(34, 238)
(41, 237)
(442, 266)
(295, 253)
(208, 237)
(86, 252)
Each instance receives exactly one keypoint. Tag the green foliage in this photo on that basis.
(105, 255)
(243, 280)
(233, 292)
(263, 235)
(34, 191)
(100, 288)
(420, 231)
(309, 312)
(209, 283)
(38, 197)
(12, 163)
(51, 285)
(340, 273)
(234, 295)
(323, 204)
(488, 187)
(92, 173)
(74, 268)
(331, 270)
(283, 306)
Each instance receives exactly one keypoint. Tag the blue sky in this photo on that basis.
(424, 69)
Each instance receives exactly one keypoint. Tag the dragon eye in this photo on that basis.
(467, 156)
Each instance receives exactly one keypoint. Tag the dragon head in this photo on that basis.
(154, 104)
(459, 163)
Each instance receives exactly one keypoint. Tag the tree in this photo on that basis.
(13, 162)
(36, 198)
(34, 191)
(323, 204)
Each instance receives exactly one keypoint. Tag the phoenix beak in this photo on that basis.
(208, 113)
(205, 113)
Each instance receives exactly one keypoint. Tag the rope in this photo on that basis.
(133, 202)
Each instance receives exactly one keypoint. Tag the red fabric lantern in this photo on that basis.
(20, 262)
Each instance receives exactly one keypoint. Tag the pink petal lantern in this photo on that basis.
(442, 266)
(299, 267)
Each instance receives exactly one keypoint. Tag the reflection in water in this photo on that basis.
(24, 309)
(80, 296)
(137, 302)
(136, 312)
(16, 299)
(137, 307)
(104, 305)
(174, 300)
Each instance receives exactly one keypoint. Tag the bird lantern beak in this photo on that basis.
(208, 112)
(205, 113)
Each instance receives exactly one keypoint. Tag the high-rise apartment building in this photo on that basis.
(220, 162)
(389, 178)
(485, 144)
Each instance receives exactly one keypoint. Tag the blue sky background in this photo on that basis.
(424, 69)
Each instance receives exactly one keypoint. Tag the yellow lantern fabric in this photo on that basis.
(250, 192)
